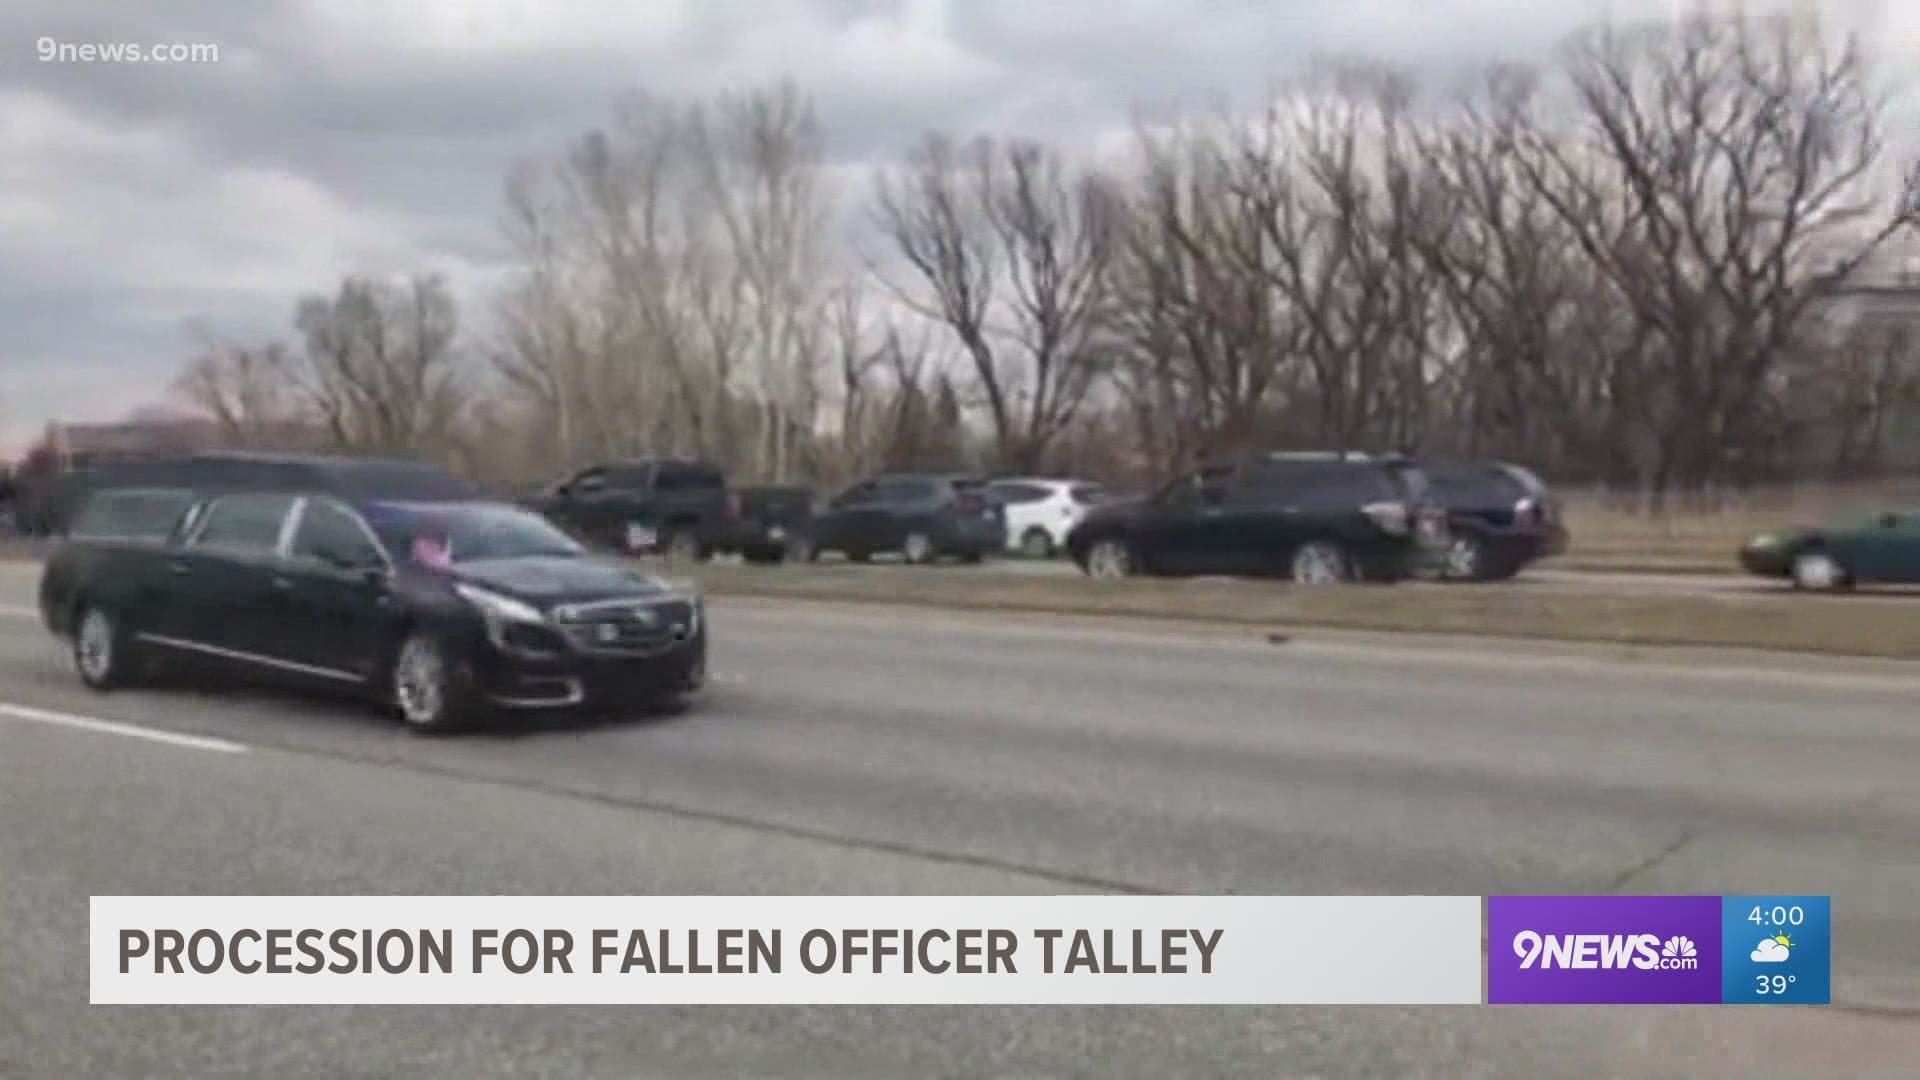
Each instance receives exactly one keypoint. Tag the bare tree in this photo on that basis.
(760, 157)
(1718, 186)
(380, 365)
(1330, 178)
(246, 389)
(1011, 251)
(1208, 339)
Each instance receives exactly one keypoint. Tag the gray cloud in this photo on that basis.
(339, 136)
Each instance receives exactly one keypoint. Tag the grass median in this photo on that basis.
(1869, 626)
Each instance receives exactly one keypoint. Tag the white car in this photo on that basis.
(1041, 512)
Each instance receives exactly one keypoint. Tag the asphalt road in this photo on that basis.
(867, 751)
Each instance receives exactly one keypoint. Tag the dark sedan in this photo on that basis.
(1878, 547)
(443, 608)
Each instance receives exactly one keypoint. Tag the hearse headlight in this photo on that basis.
(513, 626)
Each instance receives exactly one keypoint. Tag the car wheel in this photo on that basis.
(917, 548)
(1465, 559)
(425, 689)
(1110, 559)
(801, 550)
(1036, 544)
(683, 546)
(1818, 571)
(103, 652)
(1320, 563)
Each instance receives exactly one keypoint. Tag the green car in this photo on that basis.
(1883, 546)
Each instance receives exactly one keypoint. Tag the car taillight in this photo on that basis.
(1391, 517)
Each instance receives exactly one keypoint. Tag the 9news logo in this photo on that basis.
(1618, 952)
(1604, 950)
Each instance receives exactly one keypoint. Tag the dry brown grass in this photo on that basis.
(1609, 536)
(1874, 626)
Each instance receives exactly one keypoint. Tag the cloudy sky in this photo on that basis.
(371, 136)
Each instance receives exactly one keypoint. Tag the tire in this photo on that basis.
(427, 695)
(683, 546)
(762, 556)
(801, 550)
(1036, 543)
(1818, 571)
(918, 548)
(1465, 559)
(1110, 559)
(857, 556)
(1319, 562)
(104, 654)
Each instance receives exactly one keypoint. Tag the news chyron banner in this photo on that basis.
(786, 950)
(960, 950)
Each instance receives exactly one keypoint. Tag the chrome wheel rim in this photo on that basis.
(418, 681)
(1109, 559)
(1316, 564)
(918, 548)
(1463, 557)
(93, 646)
(1816, 571)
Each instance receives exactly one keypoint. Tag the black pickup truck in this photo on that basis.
(776, 523)
(680, 508)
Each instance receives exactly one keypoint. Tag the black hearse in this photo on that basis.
(390, 577)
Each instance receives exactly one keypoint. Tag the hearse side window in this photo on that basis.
(334, 537)
(247, 523)
(131, 515)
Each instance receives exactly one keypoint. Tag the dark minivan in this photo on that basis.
(387, 578)
(1314, 518)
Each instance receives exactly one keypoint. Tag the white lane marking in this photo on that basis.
(111, 727)
(19, 611)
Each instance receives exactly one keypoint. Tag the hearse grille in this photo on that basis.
(628, 627)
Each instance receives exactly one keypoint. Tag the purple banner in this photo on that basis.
(1603, 950)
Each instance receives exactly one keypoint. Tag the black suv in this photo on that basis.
(1500, 518)
(920, 515)
(1315, 518)
(382, 578)
(681, 508)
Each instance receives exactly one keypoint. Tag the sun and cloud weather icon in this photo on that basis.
(1679, 947)
(1773, 950)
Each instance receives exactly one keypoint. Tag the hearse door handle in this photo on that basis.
(283, 584)
(179, 566)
